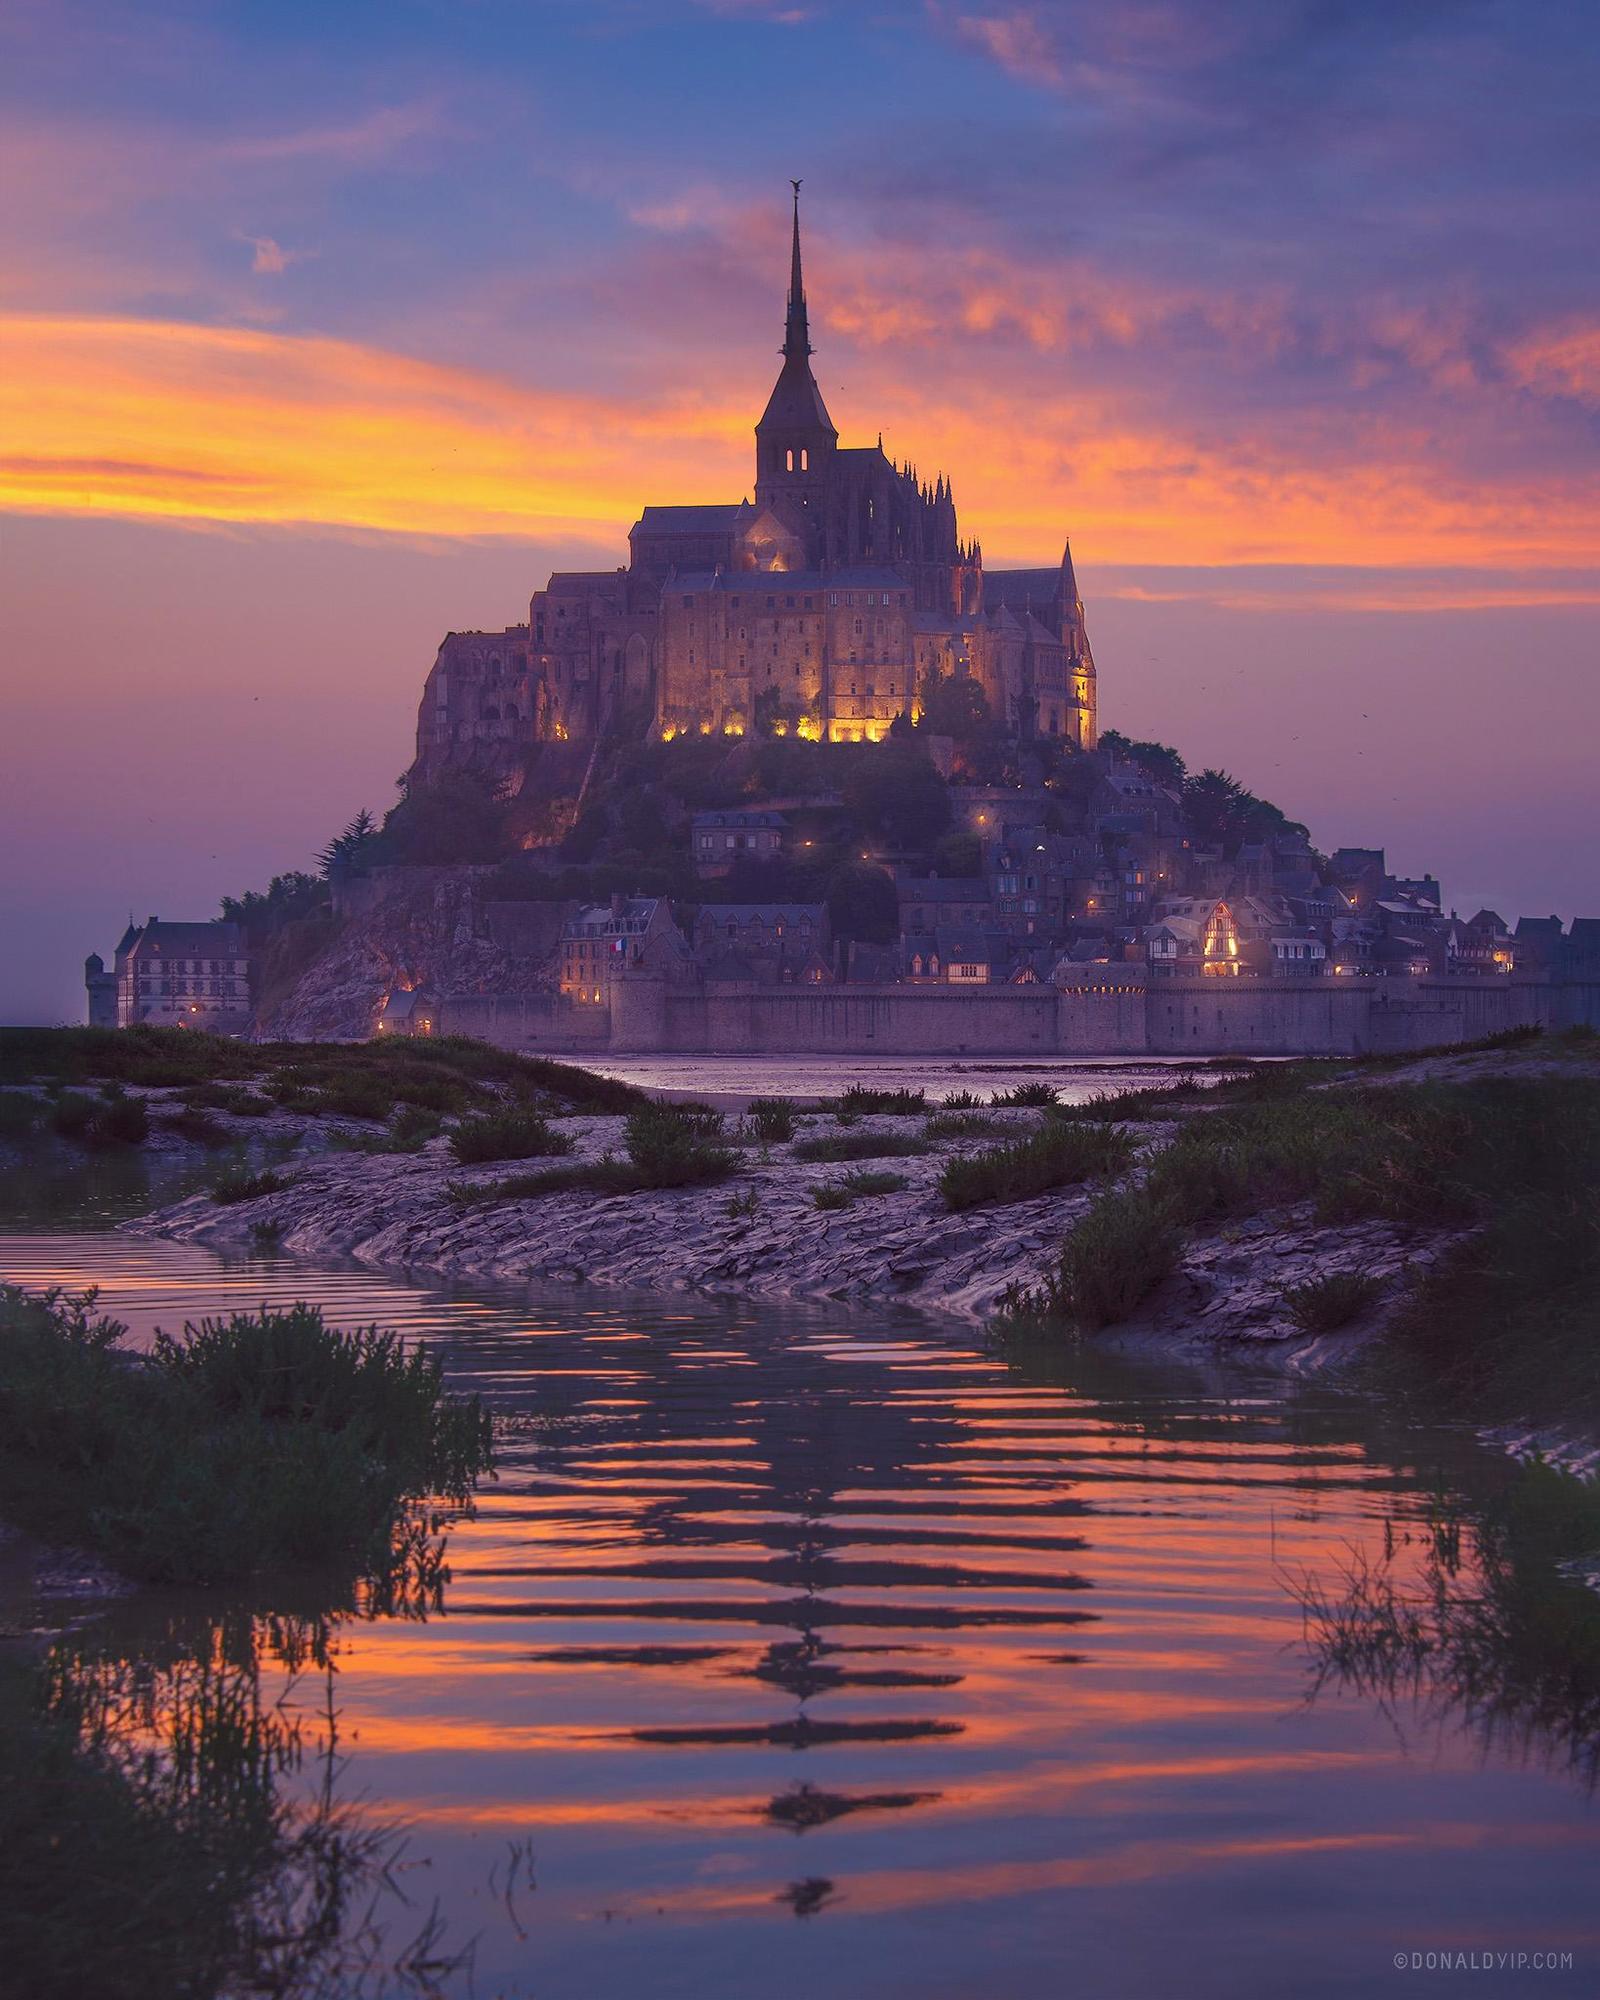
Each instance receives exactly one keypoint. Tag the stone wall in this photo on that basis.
(1254, 1017)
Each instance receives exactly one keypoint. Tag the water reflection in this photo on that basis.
(971, 1672)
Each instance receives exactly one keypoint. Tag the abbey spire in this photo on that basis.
(796, 332)
(795, 439)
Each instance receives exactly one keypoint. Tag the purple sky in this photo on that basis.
(323, 330)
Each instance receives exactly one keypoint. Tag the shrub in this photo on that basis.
(838, 1147)
(742, 1206)
(1110, 1263)
(675, 1145)
(1054, 1156)
(242, 1185)
(772, 1119)
(198, 1126)
(1026, 1096)
(962, 1100)
(886, 1103)
(124, 1121)
(73, 1114)
(260, 1441)
(512, 1134)
(830, 1195)
(1324, 1305)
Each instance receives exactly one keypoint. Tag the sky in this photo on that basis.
(324, 330)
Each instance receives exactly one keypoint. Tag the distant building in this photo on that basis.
(719, 839)
(771, 943)
(173, 976)
(601, 940)
(825, 605)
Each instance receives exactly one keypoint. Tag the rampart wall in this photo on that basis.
(1177, 1018)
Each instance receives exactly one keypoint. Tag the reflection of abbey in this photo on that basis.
(825, 605)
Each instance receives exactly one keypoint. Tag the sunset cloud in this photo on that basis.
(169, 421)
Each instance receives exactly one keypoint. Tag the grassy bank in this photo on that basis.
(263, 1442)
(376, 1080)
(1507, 1319)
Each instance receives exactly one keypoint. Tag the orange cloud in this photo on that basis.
(199, 423)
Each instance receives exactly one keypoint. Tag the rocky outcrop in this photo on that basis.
(407, 928)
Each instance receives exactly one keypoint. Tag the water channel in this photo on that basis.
(798, 1652)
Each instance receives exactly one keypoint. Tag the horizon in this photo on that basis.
(1310, 384)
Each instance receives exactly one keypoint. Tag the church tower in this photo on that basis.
(795, 439)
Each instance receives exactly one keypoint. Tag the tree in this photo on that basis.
(862, 904)
(959, 854)
(1159, 760)
(287, 898)
(1211, 804)
(349, 848)
(894, 791)
(954, 705)
(454, 820)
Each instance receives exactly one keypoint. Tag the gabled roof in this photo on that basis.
(209, 940)
(766, 913)
(709, 519)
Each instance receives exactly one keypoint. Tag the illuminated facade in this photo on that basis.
(822, 606)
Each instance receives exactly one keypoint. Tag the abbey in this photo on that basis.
(825, 605)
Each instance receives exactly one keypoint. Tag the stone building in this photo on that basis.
(824, 603)
(173, 976)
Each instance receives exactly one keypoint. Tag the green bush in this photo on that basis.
(830, 1195)
(252, 1443)
(884, 1103)
(772, 1119)
(838, 1147)
(1026, 1096)
(242, 1185)
(676, 1145)
(1325, 1305)
(512, 1134)
(1110, 1263)
(200, 1127)
(1054, 1156)
(963, 1100)
(124, 1121)
(73, 1114)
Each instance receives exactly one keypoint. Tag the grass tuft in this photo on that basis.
(240, 1184)
(772, 1119)
(1026, 1096)
(1056, 1155)
(511, 1134)
(851, 1187)
(1325, 1305)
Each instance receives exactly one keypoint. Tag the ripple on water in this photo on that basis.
(984, 1672)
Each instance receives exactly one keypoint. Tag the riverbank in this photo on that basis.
(1241, 1278)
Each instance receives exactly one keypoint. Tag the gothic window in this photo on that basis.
(805, 461)
(788, 461)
